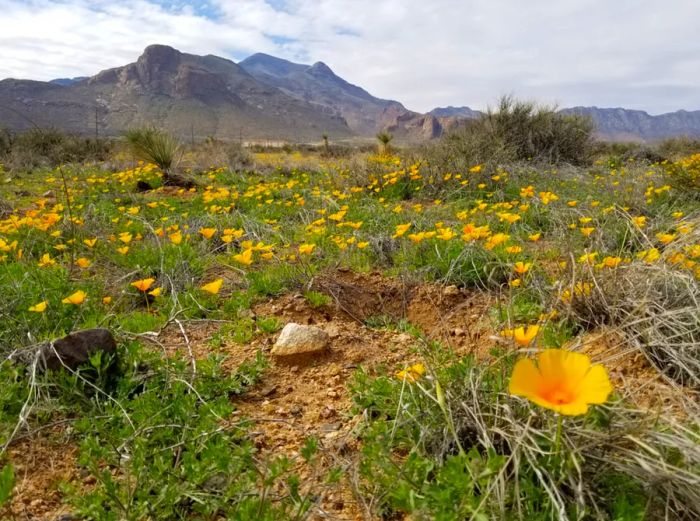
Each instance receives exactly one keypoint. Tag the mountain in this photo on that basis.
(455, 112)
(618, 124)
(184, 93)
(319, 85)
(260, 98)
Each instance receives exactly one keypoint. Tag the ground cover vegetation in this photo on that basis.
(546, 239)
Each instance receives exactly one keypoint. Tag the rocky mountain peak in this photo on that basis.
(321, 69)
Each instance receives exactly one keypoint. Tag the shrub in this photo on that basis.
(684, 174)
(49, 148)
(518, 131)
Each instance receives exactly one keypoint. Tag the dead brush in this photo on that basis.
(655, 305)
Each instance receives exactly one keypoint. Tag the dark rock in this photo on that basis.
(181, 181)
(69, 352)
(143, 186)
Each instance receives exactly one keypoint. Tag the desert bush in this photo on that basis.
(5, 141)
(684, 174)
(654, 302)
(49, 148)
(213, 153)
(677, 147)
(517, 131)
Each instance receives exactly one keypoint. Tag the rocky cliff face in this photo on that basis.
(319, 85)
(184, 93)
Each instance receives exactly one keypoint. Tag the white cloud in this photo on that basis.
(637, 54)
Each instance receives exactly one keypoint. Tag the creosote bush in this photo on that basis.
(517, 131)
(39, 148)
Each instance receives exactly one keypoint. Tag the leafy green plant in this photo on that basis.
(7, 483)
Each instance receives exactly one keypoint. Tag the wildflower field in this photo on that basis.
(507, 340)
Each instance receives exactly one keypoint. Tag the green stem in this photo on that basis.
(557, 441)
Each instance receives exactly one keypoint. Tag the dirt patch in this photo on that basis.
(634, 377)
(293, 402)
(41, 463)
(454, 316)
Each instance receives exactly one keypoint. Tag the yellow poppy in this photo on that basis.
(40, 307)
(143, 284)
(76, 298)
(208, 233)
(522, 267)
(213, 287)
(525, 336)
(411, 374)
(246, 257)
(306, 249)
(562, 381)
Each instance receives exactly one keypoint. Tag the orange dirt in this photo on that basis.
(41, 463)
(633, 376)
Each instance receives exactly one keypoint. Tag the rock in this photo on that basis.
(143, 186)
(296, 339)
(68, 517)
(450, 291)
(333, 330)
(404, 338)
(70, 351)
(268, 391)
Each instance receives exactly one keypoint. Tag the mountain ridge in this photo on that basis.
(262, 97)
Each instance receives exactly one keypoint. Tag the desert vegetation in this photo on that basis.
(502, 325)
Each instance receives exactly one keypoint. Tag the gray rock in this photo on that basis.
(296, 339)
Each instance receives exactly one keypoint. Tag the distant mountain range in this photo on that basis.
(262, 97)
(632, 125)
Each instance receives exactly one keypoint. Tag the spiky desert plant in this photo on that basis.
(384, 139)
(156, 146)
(325, 142)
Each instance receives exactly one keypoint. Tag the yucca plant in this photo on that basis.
(384, 139)
(158, 147)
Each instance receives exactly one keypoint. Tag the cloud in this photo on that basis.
(638, 54)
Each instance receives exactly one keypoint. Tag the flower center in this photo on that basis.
(558, 396)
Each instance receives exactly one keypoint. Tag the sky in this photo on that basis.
(639, 54)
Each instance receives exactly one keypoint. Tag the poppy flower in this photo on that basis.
(524, 337)
(39, 308)
(213, 287)
(412, 373)
(143, 284)
(246, 257)
(563, 381)
(306, 249)
(208, 233)
(76, 298)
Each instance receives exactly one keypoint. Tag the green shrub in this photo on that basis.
(518, 131)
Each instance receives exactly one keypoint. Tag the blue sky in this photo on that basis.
(642, 54)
